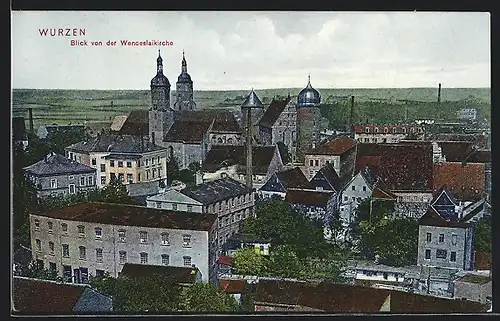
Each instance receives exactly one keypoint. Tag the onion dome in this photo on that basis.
(159, 79)
(308, 96)
(184, 77)
(252, 101)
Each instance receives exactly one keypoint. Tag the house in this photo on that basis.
(48, 131)
(279, 124)
(289, 296)
(242, 240)
(235, 288)
(181, 275)
(127, 158)
(326, 179)
(445, 242)
(341, 152)
(280, 182)
(359, 188)
(316, 205)
(368, 273)
(95, 238)
(57, 175)
(370, 133)
(473, 287)
(42, 297)
(222, 161)
(465, 180)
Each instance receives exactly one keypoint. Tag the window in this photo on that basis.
(158, 161)
(103, 180)
(364, 188)
(376, 129)
(138, 177)
(158, 204)
(152, 161)
(99, 272)
(427, 254)
(441, 238)
(82, 252)
(71, 177)
(454, 239)
(441, 254)
(165, 239)
(37, 224)
(53, 183)
(187, 260)
(120, 163)
(112, 176)
(174, 207)
(144, 258)
(385, 274)
(147, 174)
(367, 140)
(81, 230)
(165, 259)
(111, 163)
(429, 237)
(311, 162)
(154, 172)
(90, 180)
(103, 167)
(129, 164)
(64, 228)
(51, 248)
(121, 236)
(52, 267)
(316, 162)
(346, 198)
(123, 257)
(129, 178)
(94, 162)
(353, 188)
(143, 236)
(82, 181)
(121, 177)
(50, 226)
(367, 129)
(98, 255)
(190, 208)
(38, 245)
(71, 188)
(453, 256)
(386, 130)
(98, 233)
(186, 240)
(147, 162)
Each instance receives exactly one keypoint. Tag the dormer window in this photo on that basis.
(386, 130)
(376, 129)
(367, 129)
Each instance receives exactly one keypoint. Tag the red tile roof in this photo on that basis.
(307, 197)
(407, 167)
(455, 151)
(273, 112)
(221, 156)
(337, 146)
(225, 260)
(465, 181)
(137, 123)
(132, 215)
(232, 286)
(380, 193)
(37, 296)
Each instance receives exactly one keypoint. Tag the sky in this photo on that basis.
(238, 50)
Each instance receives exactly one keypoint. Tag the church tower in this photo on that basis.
(161, 116)
(184, 89)
(308, 120)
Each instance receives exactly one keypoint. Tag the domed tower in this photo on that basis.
(252, 101)
(161, 116)
(184, 89)
(308, 119)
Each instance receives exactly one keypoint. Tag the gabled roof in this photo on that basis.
(273, 112)
(368, 155)
(35, 296)
(367, 176)
(474, 208)
(56, 164)
(465, 181)
(223, 120)
(132, 215)
(337, 146)
(232, 286)
(170, 274)
(223, 156)
(137, 123)
(187, 131)
(328, 173)
(216, 190)
(380, 192)
(114, 143)
(444, 190)
(292, 178)
(433, 218)
(118, 122)
(307, 197)
(407, 167)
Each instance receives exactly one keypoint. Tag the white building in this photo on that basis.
(95, 238)
(467, 114)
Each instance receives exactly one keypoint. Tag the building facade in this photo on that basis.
(91, 239)
(385, 133)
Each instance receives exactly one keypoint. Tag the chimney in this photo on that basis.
(351, 119)
(438, 101)
(30, 116)
(153, 137)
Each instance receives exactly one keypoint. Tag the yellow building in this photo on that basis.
(136, 168)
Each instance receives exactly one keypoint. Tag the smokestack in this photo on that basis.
(439, 94)
(30, 116)
(352, 111)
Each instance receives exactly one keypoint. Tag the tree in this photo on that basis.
(336, 228)
(483, 238)
(247, 262)
(136, 295)
(285, 263)
(204, 297)
(33, 270)
(173, 172)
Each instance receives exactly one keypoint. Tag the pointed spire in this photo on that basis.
(309, 80)
(159, 63)
(184, 63)
(252, 101)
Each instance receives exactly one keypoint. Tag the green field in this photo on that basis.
(78, 106)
